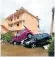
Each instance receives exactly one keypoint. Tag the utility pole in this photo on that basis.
(52, 22)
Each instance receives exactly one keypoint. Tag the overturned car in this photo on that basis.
(37, 40)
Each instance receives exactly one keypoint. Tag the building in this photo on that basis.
(21, 17)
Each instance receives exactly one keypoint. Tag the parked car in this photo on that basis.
(37, 40)
(23, 34)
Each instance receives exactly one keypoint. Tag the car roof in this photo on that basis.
(41, 36)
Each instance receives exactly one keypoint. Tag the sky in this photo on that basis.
(40, 8)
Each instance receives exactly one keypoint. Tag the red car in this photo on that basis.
(23, 34)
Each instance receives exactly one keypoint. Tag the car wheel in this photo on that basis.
(14, 43)
(29, 35)
(33, 46)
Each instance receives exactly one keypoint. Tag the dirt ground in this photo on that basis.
(18, 50)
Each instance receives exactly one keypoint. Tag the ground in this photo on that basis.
(18, 50)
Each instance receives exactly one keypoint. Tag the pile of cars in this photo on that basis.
(20, 36)
(27, 38)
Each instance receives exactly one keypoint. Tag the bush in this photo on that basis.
(51, 49)
(7, 36)
(53, 34)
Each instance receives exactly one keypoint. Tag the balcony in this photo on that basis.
(16, 25)
(15, 28)
(18, 21)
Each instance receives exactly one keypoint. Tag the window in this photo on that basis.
(11, 19)
(17, 17)
(38, 26)
(18, 24)
(10, 25)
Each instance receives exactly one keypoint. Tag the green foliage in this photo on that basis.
(51, 49)
(51, 46)
(7, 36)
(53, 34)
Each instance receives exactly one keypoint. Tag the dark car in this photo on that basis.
(37, 40)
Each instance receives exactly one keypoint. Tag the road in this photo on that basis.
(18, 50)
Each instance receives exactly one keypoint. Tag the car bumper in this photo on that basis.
(26, 45)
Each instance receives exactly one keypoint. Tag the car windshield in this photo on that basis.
(21, 32)
(45, 35)
(38, 36)
(41, 36)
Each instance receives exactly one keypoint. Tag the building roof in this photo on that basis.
(20, 11)
(4, 27)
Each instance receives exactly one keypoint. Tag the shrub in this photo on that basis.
(51, 46)
(7, 36)
(51, 49)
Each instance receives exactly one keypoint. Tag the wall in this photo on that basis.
(31, 23)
